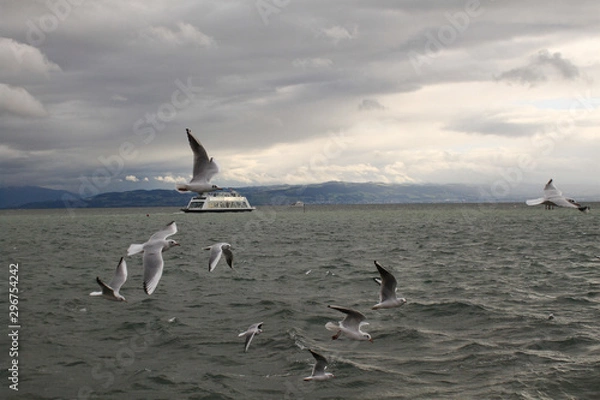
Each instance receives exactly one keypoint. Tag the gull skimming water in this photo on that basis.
(318, 371)
(554, 198)
(253, 330)
(111, 291)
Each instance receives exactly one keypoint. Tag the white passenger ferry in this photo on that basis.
(226, 201)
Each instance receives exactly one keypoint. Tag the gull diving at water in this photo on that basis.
(253, 330)
(152, 259)
(204, 169)
(318, 371)
(387, 291)
(350, 325)
(111, 291)
(554, 198)
(216, 251)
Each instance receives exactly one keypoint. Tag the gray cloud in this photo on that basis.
(370, 104)
(18, 101)
(541, 68)
(493, 125)
(103, 67)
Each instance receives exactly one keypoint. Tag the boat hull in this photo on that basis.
(192, 210)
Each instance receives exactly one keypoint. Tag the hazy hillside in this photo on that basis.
(324, 193)
(360, 193)
(134, 198)
(14, 196)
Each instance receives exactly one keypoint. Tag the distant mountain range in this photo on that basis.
(31, 197)
(17, 196)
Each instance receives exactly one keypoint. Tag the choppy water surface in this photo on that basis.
(480, 283)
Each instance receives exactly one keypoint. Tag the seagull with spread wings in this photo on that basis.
(152, 259)
(554, 198)
(204, 169)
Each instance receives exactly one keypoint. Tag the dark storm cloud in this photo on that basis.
(85, 78)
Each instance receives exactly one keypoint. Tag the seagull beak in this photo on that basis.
(371, 340)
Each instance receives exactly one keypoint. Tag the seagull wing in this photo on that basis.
(228, 254)
(535, 202)
(153, 267)
(106, 289)
(215, 255)
(249, 337)
(250, 333)
(168, 230)
(353, 318)
(319, 367)
(120, 275)
(550, 190)
(388, 283)
(204, 168)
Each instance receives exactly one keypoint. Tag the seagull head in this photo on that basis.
(170, 243)
(215, 187)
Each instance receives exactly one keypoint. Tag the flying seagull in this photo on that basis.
(553, 197)
(253, 330)
(216, 251)
(387, 291)
(111, 291)
(204, 169)
(350, 325)
(152, 259)
(318, 371)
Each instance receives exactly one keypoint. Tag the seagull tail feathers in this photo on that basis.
(134, 249)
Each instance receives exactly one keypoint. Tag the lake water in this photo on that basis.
(480, 282)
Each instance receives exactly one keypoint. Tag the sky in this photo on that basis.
(95, 96)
